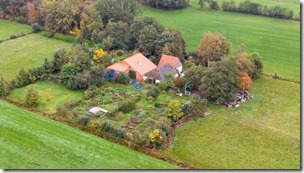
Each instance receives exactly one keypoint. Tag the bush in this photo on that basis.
(122, 78)
(36, 27)
(229, 6)
(94, 124)
(214, 5)
(152, 91)
(186, 108)
(13, 37)
(84, 121)
(127, 106)
(163, 124)
(32, 97)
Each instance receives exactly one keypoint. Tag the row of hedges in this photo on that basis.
(255, 8)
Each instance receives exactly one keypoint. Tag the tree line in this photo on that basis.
(258, 9)
(166, 4)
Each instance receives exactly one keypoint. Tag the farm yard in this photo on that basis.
(139, 83)
(262, 133)
(282, 37)
(42, 143)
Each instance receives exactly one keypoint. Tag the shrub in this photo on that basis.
(163, 124)
(173, 110)
(36, 27)
(84, 121)
(186, 108)
(122, 78)
(229, 6)
(214, 5)
(13, 37)
(152, 91)
(127, 106)
(32, 97)
(94, 124)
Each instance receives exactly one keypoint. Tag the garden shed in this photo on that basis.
(95, 110)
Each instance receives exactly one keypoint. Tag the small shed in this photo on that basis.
(95, 110)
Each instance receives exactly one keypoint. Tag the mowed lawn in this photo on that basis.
(8, 29)
(263, 133)
(277, 40)
(29, 141)
(58, 93)
(28, 51)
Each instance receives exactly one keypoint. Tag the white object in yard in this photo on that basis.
(95, 110)
(237, 105)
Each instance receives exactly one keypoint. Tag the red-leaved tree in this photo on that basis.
(245, 80)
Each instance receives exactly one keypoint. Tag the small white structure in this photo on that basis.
(95, 110)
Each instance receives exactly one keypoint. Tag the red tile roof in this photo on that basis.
(120, 66)
(140, 63)
(174, 62)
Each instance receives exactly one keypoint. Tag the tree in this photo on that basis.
(90, 21)
(60, 58)
(147, 40)
(172, 43)
(141, 22)
(68, 75)
(245, 81)
(168, 83)
(120, 36)
(119, 10)
(221, 83)
(32, 97)
(212, 47)
(174, 110)
(155, 137)
(243, 62)
(4, 87)
(60, 16)
(193, 77)
(96, 74)
(258, 65)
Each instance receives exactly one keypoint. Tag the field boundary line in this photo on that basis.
(283, 79)
(152, 153)
(17, 36)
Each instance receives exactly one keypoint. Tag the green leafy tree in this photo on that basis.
(97, 73)
(147, 40)
(68, 75)
(4, 87)
(32, 97)
(258, 65)
(174, 110)
(193, 77)
(221, 82)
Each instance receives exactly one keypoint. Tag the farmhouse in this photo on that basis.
(137, 66)
(174, 62)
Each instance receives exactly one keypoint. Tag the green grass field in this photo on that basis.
(59, 94)
(28, 51)
(263, 133)
(292, 4)
(277, 40)
(29, 141)
(8, 29)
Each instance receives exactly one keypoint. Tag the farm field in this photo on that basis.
(263, 133)
(292, 4)
(58, 93)
(277, 40)
(34, 142)
(31, 50)
(8, 29)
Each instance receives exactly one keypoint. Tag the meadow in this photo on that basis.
(276, 40)
(7, 29)
(34, 142)
(27, 51)
(263, 133)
